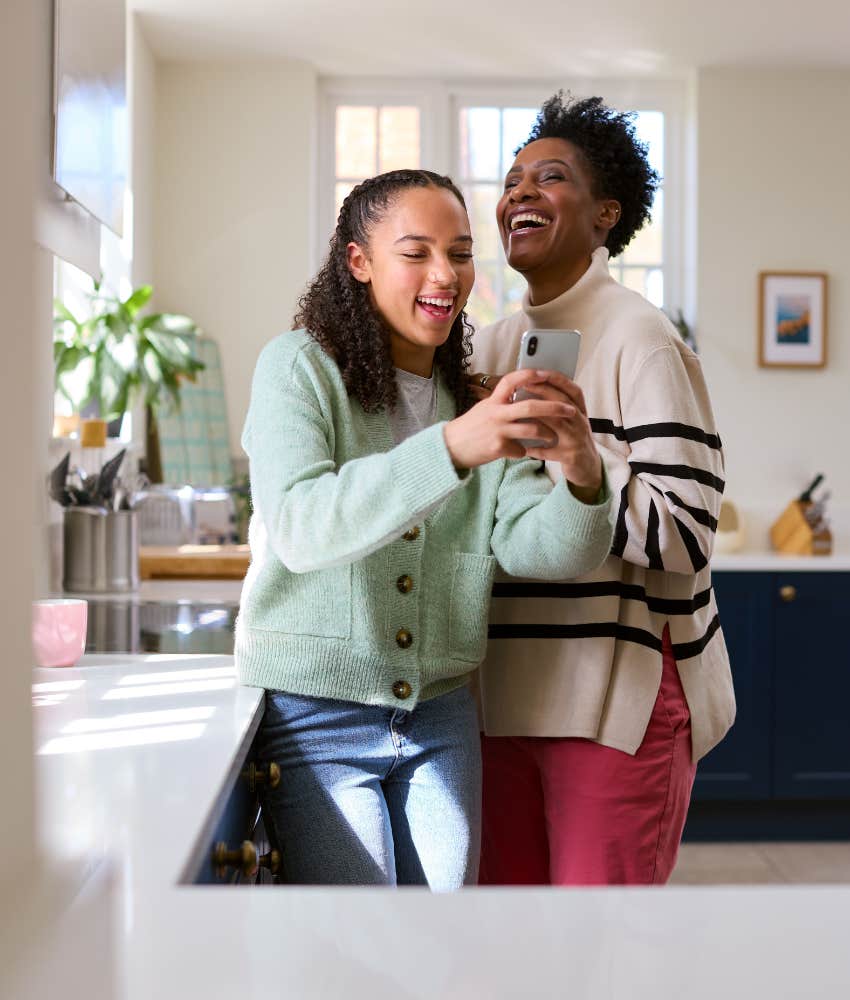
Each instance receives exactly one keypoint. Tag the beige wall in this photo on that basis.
(17, 170)
(233, 214)
(773, 195)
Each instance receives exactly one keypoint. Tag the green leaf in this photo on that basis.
(63, 314)
(140, 298)
(67, 359)
(169, 323)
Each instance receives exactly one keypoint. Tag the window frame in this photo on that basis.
(440, 101)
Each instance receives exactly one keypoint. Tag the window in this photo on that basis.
(371, 139)
(487, 138)
(471, 134)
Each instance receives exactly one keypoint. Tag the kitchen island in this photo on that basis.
(134, 754)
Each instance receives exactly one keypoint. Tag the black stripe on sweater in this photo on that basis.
(697, 513)
(685, 650)
(652, 548)
(603, 588)
(662, 429)
(679, 472)
(621, 534)
(606, 630)
(592, 630)
(698, 560)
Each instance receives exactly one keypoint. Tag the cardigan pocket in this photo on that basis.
(316, 603)
(469, 604)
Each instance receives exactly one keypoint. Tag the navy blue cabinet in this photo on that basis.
(740, 766)
(784, 768)
(811, 732)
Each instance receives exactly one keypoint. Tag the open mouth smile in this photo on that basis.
(437, 306)
(527, 222)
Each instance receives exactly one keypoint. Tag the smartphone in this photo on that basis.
(547, 350)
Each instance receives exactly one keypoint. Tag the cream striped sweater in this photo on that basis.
(584, 658)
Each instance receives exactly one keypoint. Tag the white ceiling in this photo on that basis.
(504, 38)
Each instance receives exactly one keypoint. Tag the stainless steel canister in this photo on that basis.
(101, 550)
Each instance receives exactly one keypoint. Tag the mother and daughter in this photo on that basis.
(388, 483)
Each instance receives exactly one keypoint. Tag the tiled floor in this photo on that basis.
(762, 863)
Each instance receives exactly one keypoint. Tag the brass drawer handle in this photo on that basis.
(788, 593)
(255, 776)
(243, 858)
(270, 861)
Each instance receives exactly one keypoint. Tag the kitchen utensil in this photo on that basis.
(806, 495)
(102, 492)
(101, 550)
(57, 479)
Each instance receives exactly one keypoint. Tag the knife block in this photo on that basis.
(792, 534)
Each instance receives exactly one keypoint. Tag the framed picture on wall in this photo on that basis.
(792, 319)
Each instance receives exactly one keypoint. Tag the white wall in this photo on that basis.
(141, 95)
(773, 158)
(234, 189)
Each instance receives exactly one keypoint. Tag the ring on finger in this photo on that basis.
(483, 380)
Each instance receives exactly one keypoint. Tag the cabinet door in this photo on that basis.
(812, 715)
(739, 767)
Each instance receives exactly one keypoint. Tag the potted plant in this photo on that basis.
(115, 356)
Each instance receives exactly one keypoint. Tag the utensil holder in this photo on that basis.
(792, 534)
(101, 550)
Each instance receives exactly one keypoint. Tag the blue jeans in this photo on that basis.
(372, 795)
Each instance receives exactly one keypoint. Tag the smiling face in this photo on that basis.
(418, 265)
(549, 218)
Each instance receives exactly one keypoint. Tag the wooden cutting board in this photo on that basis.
(219, 562)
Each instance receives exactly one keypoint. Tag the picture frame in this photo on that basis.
(792, 319)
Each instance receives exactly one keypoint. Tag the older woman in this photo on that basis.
(599, 696)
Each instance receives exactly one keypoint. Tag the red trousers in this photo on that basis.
(568, 811)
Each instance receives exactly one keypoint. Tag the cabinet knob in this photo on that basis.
(255, 776)
(270, 861)
(788, 593)
(243, 858)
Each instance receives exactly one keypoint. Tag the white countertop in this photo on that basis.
(195, 590)
(776, 562)
(133, 752)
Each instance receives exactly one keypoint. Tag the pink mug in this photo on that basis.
(58, 631)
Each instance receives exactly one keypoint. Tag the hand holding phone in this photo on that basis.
(547, 350)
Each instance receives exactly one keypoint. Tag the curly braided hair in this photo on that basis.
(339, 314)
(617, 159)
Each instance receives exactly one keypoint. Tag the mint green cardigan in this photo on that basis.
(360, 588)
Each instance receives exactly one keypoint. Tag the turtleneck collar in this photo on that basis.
(571, 302)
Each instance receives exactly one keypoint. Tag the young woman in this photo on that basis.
(599, 696)
(381, 503)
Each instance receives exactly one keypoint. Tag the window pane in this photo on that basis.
(655, 286)
(634, 278)
(342, 190)
(647, 245)
(514, 287)
(356, 141)
(648, 281)
(516, 124)
(399, 132)
(649, 126)
(481, 200)
(479, 144)
(484, 304)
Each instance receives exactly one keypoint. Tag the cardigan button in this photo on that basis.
(404, 638)
(401, 689)
(412, 535)
(404, 584)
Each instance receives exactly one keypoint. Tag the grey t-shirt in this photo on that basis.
(416, 408)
